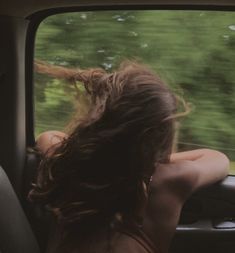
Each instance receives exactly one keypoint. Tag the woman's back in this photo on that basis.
(129, 240)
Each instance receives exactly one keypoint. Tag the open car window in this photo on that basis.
(193, 51)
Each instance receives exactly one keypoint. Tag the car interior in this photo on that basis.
(207, 222)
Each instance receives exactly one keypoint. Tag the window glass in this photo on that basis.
(193, 51)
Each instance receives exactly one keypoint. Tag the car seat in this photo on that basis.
(16, 235)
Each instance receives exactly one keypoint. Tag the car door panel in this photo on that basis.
(207, 221)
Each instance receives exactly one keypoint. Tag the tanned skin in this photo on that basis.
(171, 185)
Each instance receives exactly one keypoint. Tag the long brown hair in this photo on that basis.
(99, 170)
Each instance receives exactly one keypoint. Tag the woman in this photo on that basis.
(113, 183)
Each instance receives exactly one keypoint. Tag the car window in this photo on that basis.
(193, 51)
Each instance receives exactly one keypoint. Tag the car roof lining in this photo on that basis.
(25, 8)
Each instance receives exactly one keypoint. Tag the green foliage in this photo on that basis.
(194, 51)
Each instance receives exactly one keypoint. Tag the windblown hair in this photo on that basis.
(99, 170)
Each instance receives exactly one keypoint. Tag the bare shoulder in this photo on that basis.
(187, 172)
(173, 183)
(170, 187)
(177, 179)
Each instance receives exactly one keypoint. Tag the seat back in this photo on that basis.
(41, 220)
(16, 235)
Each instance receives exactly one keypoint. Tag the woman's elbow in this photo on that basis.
(222, 161)
(226, 164)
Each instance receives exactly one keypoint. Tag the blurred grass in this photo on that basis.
(232, 168)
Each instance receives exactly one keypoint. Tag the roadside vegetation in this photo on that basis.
(193, 51)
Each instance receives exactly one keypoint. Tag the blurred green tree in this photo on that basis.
(194, 51)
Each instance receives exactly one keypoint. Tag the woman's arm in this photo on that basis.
(48, 140)
(201, 167)
(173, 183)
